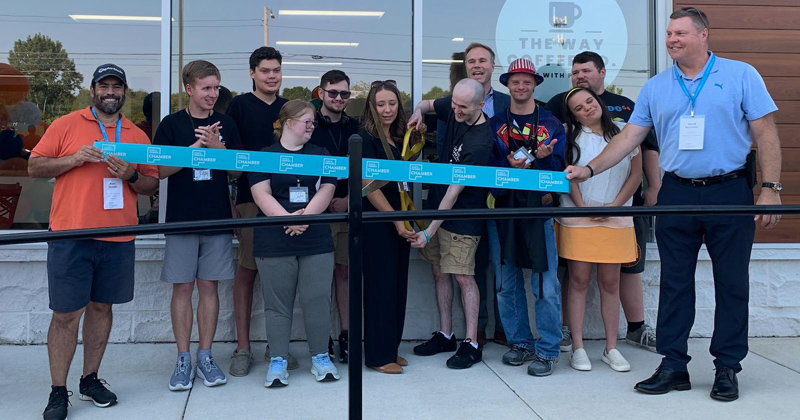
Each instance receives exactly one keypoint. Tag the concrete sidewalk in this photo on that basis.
(139, 373)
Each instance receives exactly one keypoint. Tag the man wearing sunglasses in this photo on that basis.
(333, 131)
(468, 141)
(703, 167)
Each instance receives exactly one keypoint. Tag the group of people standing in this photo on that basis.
(582, 131)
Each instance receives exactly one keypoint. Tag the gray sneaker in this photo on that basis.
(323, 369)
(277, 375)
(292, 361)
(518, 355)
(540, 367)
(183, 376)
(644, 337)
(566, 341)
(211, 374)
(240, 362)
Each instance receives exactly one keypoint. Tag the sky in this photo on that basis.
(226, 36)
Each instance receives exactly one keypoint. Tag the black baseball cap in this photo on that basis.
(109, 69)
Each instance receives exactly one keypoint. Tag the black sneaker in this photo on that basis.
(57, 404)
(343, 347)
(465, 357)
(436, 344)
(93, 389)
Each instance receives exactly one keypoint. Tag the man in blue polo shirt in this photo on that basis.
(707, 111)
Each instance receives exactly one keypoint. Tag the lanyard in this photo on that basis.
(103, 128)
(693, 98)
(533, 135)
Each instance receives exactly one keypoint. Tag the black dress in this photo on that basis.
(385, 268)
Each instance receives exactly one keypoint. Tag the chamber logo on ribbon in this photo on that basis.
(329, 166)
(460, 174)
(417, 171)
(287, 163)
(243, 161)
(110, 149)
(547, 183)
(374, 169)
(154, 155)
(503, 177)
(199, 158)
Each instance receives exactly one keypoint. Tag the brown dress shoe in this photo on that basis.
(402, 361)
(482, 338)
(500, 338)
(389, 368)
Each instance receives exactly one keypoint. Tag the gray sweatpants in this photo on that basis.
(281, 278)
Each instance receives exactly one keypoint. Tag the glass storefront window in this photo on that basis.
(48, 52)
(376, 46)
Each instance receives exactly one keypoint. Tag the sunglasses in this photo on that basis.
(379, 83)
(697, 12)
(332, 94)
(308, 123)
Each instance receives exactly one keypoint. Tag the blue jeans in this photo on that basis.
(513, 303)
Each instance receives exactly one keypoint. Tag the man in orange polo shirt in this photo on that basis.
(88, 276)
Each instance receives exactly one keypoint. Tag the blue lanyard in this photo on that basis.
(693, 98)
(103, 128)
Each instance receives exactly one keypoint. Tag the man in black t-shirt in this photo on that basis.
(197, 194)
(333, 131)
(588, 70)
(254, 114)
(468, 141)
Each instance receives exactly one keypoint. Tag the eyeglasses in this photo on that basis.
(697, 12)
(332, 94)
(308, 123)
(379, 83)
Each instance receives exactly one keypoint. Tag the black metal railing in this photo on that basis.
(355, 218)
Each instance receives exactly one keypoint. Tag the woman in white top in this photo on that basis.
(607, 242)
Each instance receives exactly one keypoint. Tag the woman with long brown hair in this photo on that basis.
(386, 247)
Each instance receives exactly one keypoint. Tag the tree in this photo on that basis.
(297, 92)
(614, 89)
(51, 74)
(435, 93)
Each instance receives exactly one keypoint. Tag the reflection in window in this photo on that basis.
(48, 53)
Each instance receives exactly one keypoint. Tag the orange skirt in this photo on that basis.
(597, 244)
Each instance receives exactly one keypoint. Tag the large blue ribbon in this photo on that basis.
(316, 165)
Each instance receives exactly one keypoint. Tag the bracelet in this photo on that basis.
(427, 238)
(591, 171)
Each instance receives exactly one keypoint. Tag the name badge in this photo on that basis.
(112, 193)
(692, 132)
(298, 194)
(524, 153)
(402, 186)
(202, 174)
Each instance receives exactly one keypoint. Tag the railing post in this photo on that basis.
(354, 367)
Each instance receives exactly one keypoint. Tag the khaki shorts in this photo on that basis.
(246, 259)
(453, 253)
(339, 231)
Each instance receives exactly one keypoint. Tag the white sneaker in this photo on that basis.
(579, 360)
(614, 359)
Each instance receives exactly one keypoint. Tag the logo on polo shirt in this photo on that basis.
(199, 158)
(553, 32)
(374, 169)
(154, 155)
(243, 161)
(286, 163)
(329, 166)
(416, 171)
(460, 174)
(503, 177)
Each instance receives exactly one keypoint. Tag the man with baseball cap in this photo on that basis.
(86, 277)
(527, 136)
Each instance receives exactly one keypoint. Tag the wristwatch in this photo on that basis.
(776, 186)
(134, 177)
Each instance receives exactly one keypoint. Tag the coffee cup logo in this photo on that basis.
(551, 34)
(563, 14)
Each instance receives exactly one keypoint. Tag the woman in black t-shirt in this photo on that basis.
(386, 246)
(295, 258)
